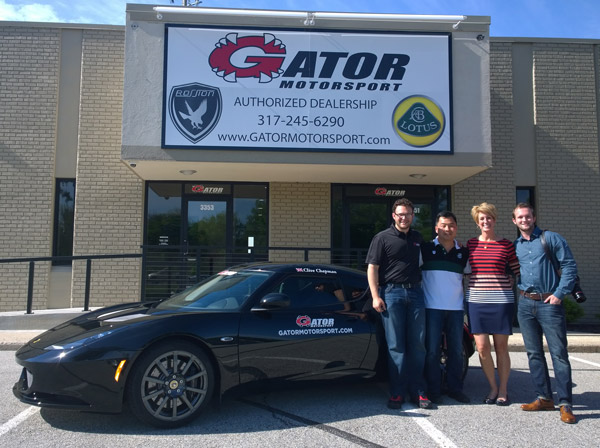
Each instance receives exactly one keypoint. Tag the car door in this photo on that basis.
(317, 334)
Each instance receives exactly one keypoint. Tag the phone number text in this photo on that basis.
(300, 120)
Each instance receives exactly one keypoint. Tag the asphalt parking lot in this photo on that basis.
(341, 415)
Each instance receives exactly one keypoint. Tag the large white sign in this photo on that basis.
(306, 91)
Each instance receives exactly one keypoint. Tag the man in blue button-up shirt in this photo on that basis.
(541, 311)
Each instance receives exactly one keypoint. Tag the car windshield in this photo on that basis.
(227, 290)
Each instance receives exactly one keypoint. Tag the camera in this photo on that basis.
(577, 293)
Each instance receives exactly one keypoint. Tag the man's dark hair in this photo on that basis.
(446, 214)
(523, 205)
(403, 202)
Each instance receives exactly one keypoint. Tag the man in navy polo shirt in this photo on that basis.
(444, 263)
(395, 284)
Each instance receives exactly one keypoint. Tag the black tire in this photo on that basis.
(444, 358)
(465, 356)
(171, 384)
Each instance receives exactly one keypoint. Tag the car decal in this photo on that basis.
(314, 331)
(317, 270)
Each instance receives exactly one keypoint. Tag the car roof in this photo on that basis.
(282, 268)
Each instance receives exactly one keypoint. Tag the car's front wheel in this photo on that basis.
(171, 384)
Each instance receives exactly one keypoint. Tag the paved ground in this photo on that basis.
(343, 415)
(17, 327)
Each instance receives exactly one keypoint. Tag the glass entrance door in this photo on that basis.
(207, 236)
(361, 211)
(206, 223)
(365, 219)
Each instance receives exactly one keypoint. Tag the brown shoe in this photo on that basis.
(566, 414)
(539, 405)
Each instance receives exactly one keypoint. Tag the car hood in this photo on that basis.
(98, 324)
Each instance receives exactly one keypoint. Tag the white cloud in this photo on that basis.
(34, 12)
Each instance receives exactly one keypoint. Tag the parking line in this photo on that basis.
(438, 436)
(584, 361)
(323, 427)
(18, 419)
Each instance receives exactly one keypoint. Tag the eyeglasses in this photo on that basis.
(403, 215)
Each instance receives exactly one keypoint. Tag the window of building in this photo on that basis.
(358, 212)
(250, 216)
(64, 216)
(163, 222)
(527, 195)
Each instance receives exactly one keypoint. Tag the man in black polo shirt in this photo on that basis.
(395, 284)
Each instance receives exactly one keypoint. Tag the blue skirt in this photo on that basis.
(491, 318)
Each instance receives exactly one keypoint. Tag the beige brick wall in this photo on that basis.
(496, 185)
(566, 147)
(299, 215)
(29, 70)
(109, 199)
(566, 133)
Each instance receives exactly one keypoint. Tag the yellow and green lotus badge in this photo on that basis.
(419, 120)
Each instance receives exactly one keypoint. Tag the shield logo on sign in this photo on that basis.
(195, 109)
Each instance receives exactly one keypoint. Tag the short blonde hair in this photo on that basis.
(485, 208)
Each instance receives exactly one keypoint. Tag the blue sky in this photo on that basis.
(510, 18)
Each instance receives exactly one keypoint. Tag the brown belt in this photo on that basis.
(536, 295)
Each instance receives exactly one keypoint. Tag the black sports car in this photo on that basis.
(244, 325)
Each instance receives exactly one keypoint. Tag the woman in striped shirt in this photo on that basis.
(490, 299)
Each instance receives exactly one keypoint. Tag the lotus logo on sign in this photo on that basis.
(419, 120)
(195, 109)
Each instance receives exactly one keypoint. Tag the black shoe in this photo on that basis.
(425, 403)
(488, 400)
(502, 401)
(459, 396)
(395, 402)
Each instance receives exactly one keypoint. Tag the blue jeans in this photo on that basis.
(451, 322)
(537, 318)
(404, 325)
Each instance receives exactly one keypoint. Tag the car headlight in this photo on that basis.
(78, 343)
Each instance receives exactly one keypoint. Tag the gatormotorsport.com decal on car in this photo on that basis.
(309, 326)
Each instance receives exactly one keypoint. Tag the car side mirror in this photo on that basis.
(272, 301)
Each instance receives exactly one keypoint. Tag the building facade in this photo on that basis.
(85, 164)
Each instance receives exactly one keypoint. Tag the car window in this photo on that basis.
(225, 291)
(356, 289)
(311, 291)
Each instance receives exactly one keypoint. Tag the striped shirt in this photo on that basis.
(490, 282)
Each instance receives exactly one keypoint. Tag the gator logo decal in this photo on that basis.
(248, 57)
(303, 321)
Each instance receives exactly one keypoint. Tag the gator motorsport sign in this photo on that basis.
(306, 91)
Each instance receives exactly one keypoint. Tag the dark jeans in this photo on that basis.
(537, 318)
(451, 322)
(404, 325)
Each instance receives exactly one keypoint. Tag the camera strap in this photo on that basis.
(549, 253)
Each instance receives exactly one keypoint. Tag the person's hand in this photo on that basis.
(553, 300)
(378, 304)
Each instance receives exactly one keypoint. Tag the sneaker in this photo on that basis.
(395, 402)
(424, 402)
(459, 396)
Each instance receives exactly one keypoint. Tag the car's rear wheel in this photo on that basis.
(171, 384)
(444, 359)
